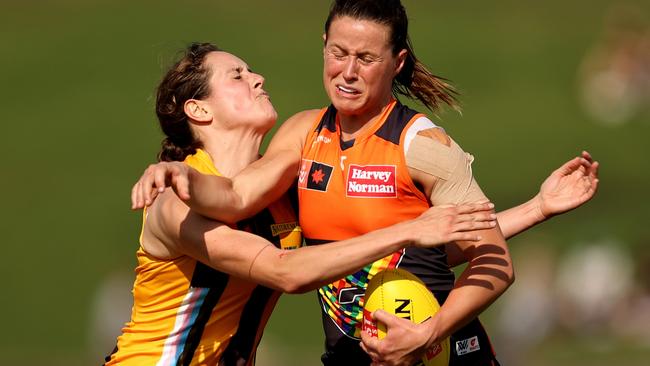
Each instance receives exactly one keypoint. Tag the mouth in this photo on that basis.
(347, 90)
(264, 95)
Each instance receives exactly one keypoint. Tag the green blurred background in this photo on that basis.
(78, 80)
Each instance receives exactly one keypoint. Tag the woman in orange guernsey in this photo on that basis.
(204, 290)
(367, 162)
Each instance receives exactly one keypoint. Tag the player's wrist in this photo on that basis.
(405, 234)
(536, 210)
(432, 331)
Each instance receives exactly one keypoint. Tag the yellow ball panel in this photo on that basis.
(402, 294)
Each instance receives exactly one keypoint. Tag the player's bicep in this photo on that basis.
(444, 170)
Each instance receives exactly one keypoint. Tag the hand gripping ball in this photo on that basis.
(402, 294)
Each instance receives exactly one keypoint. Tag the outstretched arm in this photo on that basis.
(567, 188)
(230, 200)
(249, 256)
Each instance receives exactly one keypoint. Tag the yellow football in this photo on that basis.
(402, 294)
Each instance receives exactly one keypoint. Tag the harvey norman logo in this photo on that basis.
(371, 181)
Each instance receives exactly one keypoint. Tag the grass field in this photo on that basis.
(77, 100)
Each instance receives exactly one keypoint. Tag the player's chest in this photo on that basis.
(369, 168)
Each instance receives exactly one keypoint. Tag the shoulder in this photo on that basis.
(426, 131)
(293, 132)
(306, 117)
(435, 134)
(164, 217)
(431, 150)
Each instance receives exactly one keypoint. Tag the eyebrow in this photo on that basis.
(239, 69)
(359, 54)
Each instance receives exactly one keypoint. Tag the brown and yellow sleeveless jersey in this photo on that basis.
(349, 188)
(186, 313)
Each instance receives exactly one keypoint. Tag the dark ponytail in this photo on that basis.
(187, 79)
(414, 81)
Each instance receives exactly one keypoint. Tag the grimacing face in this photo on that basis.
(236, 92)
(359, 66)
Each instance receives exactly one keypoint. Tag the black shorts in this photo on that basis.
(470, 346)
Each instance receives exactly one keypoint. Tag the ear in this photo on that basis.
(197, 111)
(324, 42)
(401, 59)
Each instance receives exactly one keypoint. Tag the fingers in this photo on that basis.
(135, 197)
(474, 225)
(181, 185)
(152, 182)
(463, 236)
(160, 177)
(476, 216)
(583, 163)
(593, 172)
(570, 166)
(481, 220)
(388, 319)
(148, 185)
(370, 345)
(474, 207)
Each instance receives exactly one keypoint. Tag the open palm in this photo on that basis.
(568, 187)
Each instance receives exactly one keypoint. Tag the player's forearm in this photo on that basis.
(232, 200)
(488, 274)
(265, 181)
(247, 193)
(311, 267)
(520, 218)
(455, 256)
(214, 197)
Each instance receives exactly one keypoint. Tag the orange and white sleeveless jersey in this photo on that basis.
(346, 189)
(186, 313)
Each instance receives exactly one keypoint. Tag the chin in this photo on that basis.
(270, 121)
(348, 107)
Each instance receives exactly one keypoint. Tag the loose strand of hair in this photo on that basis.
(431, 90)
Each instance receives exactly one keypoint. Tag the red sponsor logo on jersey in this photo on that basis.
(314, 175)
(372, 181)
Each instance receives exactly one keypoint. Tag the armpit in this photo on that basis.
(433, 152)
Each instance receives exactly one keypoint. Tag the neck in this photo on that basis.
(354, 125)
(232, 150)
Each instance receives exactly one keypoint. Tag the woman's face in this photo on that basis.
(359, 66)
(236, 94)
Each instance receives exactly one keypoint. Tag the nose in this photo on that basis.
(258, 81)
(351, 68)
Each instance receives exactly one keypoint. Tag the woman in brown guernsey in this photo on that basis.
(366, 162)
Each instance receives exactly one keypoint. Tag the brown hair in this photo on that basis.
(186, 79)
(414, 81)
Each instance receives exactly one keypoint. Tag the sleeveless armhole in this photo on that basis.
(314, 129)
(144, 220)
(151, 257)
(418, 123)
